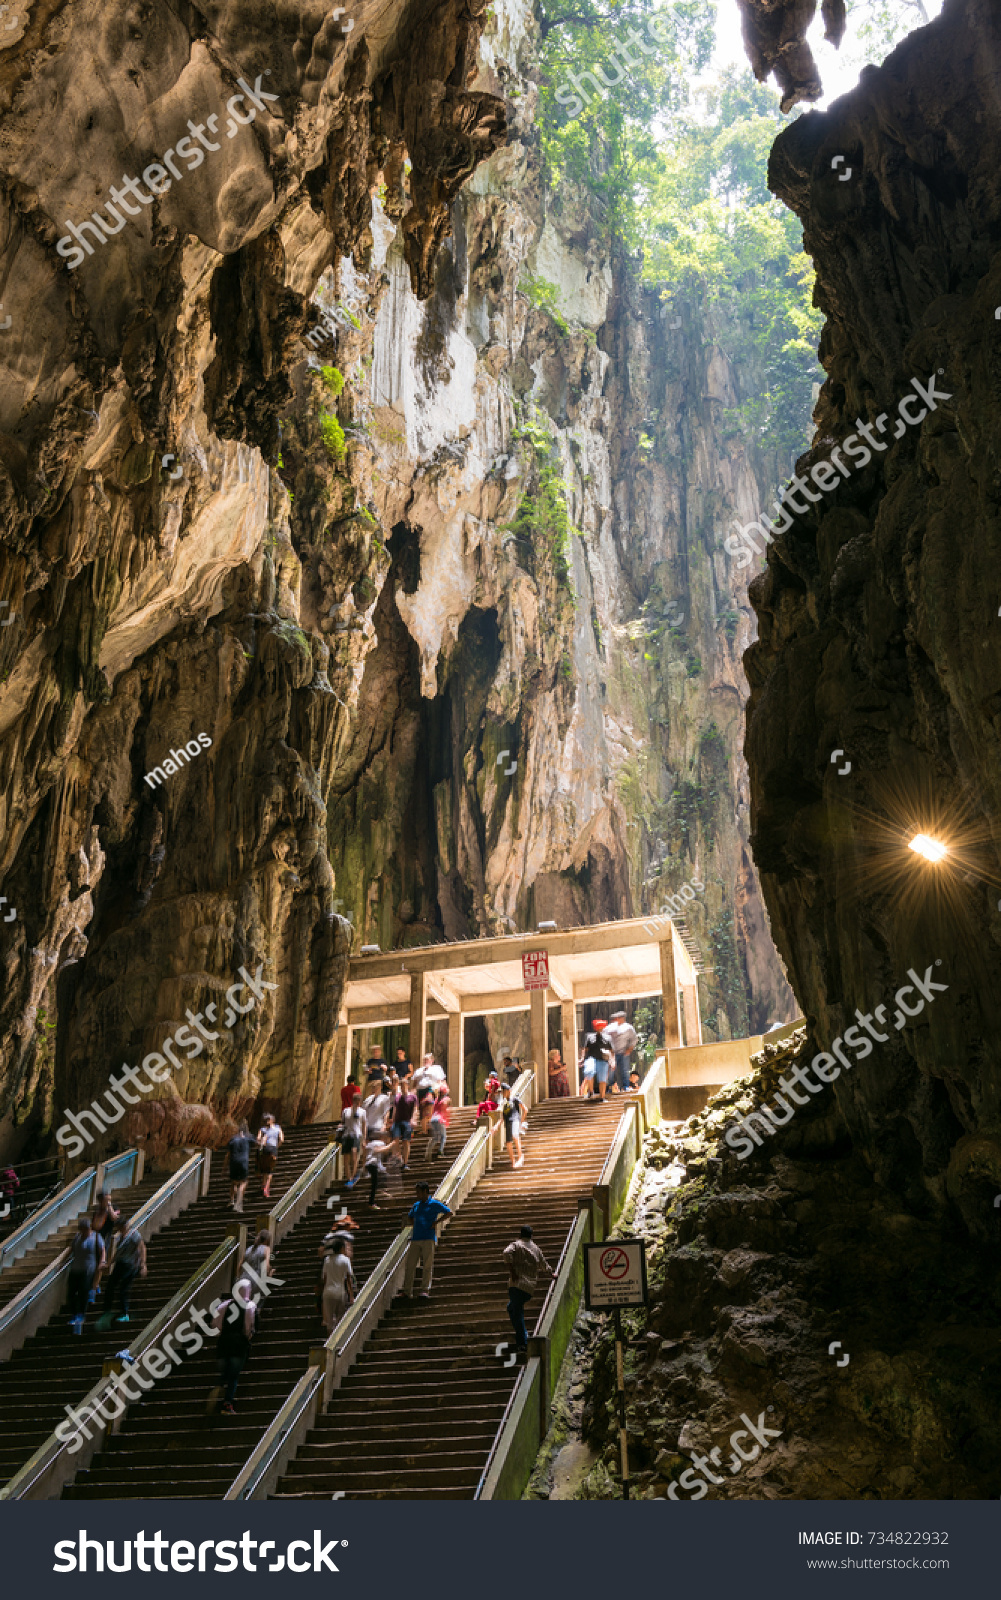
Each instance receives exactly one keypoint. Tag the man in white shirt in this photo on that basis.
(376, 1109)
(354, 1132)
(623, 1039)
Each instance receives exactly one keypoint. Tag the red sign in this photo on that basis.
(613, 1264)
(535, 969)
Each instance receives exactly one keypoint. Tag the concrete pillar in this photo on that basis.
(418, 1016)
(568, 1041)
(540, 1041)
(669, 992)
(456, 1057)
(693, 1021)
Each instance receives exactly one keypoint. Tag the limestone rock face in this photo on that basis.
(299, 459)
(878, 619)
(147, 555)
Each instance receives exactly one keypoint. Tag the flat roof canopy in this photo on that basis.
(482, 977)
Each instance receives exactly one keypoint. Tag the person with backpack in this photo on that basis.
(235, 1322)
(269, 1141)
(130, 1263)
(258, 1257)
(239, 1148)
(87, 1254)
(513, 1112)
(598, 1057)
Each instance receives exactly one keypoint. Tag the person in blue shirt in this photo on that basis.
(424, 1216)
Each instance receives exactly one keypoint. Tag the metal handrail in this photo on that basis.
(567, 1243)
(145, 1214)
(44, 1279)
(284, 1422)
(327, 1157)
(498, 1436)
(37, 1218)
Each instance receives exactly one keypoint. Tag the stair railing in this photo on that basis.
(69, 1202)
(328, 1363)
(43, 1297)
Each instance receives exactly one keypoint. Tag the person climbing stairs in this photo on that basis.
(417, 1414)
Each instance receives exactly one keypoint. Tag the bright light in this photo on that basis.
(931, 849)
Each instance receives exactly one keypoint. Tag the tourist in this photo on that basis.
(524, 1260)
(235, 1332)
(87, 1254)
(622, 1038)
(269, 1140)
(491, 1096)
(102, 1219)
(375, 1151)
(404, 1112)
(439, 1126)
(513, 1112)
(510, 1069)
(349, 1090)
(239, 1148)
(354, 1132)
(403, 1067)
(559, 1083)
(338, 1285)
(424, 1215)
(634, 1079)
(376, 1108)
(376, 1066)
(435, 1073)
(130, 1263)
(258, 1257)
(599, 1054)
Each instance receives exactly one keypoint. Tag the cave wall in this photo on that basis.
(306, 550)
(878, 615)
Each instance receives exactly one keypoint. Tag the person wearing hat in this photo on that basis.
(623, 1039)
(597, 1056)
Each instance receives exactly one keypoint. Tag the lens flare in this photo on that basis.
(932, 849)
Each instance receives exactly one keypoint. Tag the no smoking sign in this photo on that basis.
(615, 1274)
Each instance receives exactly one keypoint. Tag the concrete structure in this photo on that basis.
(483, 977)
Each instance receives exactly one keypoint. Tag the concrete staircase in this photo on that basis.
(55, 1367)
(418, 1412)
(168, 1448)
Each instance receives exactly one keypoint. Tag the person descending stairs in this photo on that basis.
(169, 1447)
(417, 1414)
(53, 1369)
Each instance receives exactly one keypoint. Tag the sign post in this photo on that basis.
(615, 1276)
(535, 969)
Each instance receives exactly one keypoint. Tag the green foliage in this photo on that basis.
(333, 437)
(543, 522)
(333, 379)
(545, 296)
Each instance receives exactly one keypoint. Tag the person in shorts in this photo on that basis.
(269, 1141)
(404, 1112)
(597, 1053)
(354, 1129)
(239, 1148)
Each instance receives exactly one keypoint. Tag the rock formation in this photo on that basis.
(290, 461)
